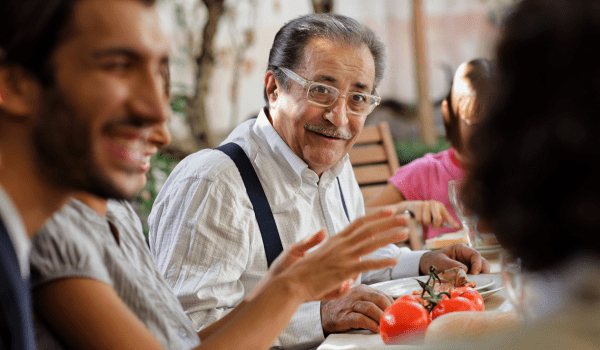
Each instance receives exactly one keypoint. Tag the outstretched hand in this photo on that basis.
(328, 271)
(456, 255)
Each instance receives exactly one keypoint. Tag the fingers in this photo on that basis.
(447, 217)
(376, 228)
(362, 308)
(440, 260)
(394, 235)
(361, 321)
(362, 221)
(479, 264)
(302, 247)
(376, 264)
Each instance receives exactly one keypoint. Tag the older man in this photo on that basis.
(213, 243)
(75, 108)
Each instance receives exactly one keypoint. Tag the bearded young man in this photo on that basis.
(213, 242)
(68, 121)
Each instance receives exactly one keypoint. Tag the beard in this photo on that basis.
(64, 151)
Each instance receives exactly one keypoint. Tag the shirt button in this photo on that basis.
(296, 183)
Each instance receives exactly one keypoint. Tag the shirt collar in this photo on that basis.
(16, 231)
(269, 137)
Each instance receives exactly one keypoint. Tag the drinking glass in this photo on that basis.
(468, 219)
(519, 286)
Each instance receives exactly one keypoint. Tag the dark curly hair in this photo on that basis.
(535, 177)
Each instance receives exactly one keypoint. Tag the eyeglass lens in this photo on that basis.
(326, 96)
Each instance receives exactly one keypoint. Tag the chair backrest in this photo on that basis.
(374, 158)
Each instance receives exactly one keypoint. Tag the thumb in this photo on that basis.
(448, 263)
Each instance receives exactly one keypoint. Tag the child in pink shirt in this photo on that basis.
(422, 185)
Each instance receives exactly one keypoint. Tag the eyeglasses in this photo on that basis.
(325, 95)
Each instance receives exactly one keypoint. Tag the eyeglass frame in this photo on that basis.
(305, 83)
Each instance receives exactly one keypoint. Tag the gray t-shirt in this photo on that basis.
(78, 242)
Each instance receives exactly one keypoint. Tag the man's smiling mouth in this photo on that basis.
(331, 134)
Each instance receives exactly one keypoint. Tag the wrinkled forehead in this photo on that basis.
(324, 59)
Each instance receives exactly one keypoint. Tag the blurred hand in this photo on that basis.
(360, 309)
(328, 272)
(456, 255)
(429, 213)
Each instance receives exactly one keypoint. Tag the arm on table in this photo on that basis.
(321, 274)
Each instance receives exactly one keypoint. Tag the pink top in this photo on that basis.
(427, 179)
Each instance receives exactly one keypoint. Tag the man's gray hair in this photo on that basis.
(290, 41)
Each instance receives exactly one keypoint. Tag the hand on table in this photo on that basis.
(360, 309)
(456, 255)
(429, 213)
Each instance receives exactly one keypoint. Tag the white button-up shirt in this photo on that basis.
(206, 241)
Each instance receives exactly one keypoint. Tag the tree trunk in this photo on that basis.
(323, 6)
(424, 107)
(196, 105)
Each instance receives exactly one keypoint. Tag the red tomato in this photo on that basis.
(475, 298)
(411, 298)
(471, 294)
(453, 304)
(403, 320)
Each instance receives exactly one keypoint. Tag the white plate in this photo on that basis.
(495, 287)
(405, 286)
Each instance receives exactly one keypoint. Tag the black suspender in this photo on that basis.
(262, 209)
(343, 201)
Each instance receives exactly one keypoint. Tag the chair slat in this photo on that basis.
(371, 190)
(368, 154)
(371, 174)
(369, 134)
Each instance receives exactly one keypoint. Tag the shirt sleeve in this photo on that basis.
(407, 266)
(198, 243)
(205, 239)
(411, 179)
(73, 253)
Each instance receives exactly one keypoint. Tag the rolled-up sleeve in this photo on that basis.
(407, 266)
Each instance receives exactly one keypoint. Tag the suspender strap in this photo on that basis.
(343, 201)
(262, 209)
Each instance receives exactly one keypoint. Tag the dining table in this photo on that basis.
(363, 339)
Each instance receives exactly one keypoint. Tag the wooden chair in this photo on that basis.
(374, 160)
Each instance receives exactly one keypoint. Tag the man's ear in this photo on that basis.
(20, 91)
(272, 87)
(445, 111)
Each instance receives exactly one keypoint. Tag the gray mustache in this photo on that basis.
(331, 133)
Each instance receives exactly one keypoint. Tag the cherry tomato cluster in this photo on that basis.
(408, 317)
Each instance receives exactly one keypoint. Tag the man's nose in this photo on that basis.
(149, 98)
(160, 135)
(338, 112)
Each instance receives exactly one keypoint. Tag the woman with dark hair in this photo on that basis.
(533, 178)
(422, 185)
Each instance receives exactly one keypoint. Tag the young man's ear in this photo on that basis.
(19, 91)
(445, 111)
